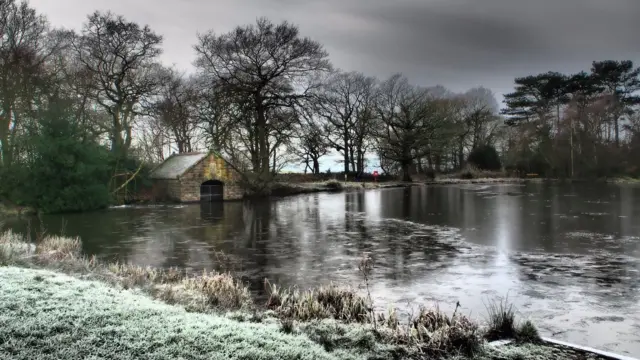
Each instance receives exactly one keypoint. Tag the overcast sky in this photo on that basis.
(457, 43)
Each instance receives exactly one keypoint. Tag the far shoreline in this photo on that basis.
(284, 189)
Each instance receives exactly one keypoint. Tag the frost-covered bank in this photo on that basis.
(99, 309)
(48, 315)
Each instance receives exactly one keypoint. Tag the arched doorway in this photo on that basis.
(211, 190)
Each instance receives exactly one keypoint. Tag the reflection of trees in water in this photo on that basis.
(107, 234)
(257, 224)
(305, 240)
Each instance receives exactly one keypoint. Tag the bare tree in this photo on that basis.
(344, 102)
(26, 45)
(269, 66)
(311, 144)
(409, 119)
(120, 58)
(175, 109)
(152, 141)
(215, 112)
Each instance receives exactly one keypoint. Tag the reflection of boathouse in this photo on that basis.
(191, 177)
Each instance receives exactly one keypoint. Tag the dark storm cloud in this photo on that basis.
(488, 34)
(457, 43)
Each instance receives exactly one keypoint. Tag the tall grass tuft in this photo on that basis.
(220, 290)
(133, 275)
(56, 248)
(501, 321)
(502, 324)
(433, 333)
(13, 248)
(324, 302)
(366, 267)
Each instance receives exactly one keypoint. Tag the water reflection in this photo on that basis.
(567, 255)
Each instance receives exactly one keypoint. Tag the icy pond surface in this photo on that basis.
(568, 256)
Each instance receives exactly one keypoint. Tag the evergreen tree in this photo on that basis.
(67, 173)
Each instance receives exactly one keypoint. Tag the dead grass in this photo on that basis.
(202, 292)
(501, 320)
(430, 333)
(502, 324)
(220, 290)
(13, 248)
(138, 275)
(56, 248)
(324, 302)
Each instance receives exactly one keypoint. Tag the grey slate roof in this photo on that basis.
(176, 165)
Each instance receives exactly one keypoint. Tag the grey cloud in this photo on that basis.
(457, 43)
(485, 34)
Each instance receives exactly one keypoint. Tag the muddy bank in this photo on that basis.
(446, 181)
(481, 181)
(282, 189)
(10, 210)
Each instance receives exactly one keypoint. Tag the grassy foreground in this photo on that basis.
(57, 304)
(47, 315)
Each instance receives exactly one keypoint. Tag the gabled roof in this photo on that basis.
(176, 165)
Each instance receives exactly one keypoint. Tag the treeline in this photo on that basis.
(83, 113)
(580, 125)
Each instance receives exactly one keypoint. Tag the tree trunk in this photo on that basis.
(316, 166)
(360, 162)
(406, 171)
(261, 132)
(406, 163)
(5, 148)
(617, 130)
(352, 157)
(117, 142)
(346, 151)
(461, 155)
(273, 168)
(306, 163)
(557, 118)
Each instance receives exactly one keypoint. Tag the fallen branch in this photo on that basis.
(129, 179)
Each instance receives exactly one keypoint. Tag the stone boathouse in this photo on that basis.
(191, 177)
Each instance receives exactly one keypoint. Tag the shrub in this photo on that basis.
(527, 333)
(65, 172)
(287, 326)
(485, 157)
(334, 185)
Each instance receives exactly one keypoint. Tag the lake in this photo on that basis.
(568, 256)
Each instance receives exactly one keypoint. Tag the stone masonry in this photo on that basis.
(174, 182)
(211, 167)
